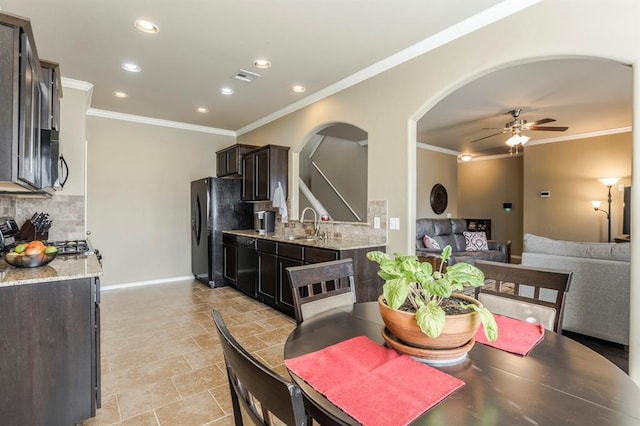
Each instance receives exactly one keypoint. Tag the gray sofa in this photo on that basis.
(450, 232)
(597, 303)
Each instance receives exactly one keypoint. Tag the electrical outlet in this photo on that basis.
(376, 222)
(394, 223)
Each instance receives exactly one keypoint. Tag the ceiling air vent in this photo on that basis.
(246, 76)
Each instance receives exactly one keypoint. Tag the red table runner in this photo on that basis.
(514, 336)
(373, 384)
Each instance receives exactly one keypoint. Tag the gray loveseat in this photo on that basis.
(450, 232)
(598, 300)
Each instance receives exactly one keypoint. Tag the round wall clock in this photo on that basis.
(438, 198)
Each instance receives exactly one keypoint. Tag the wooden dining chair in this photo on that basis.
(321, 286)
(525, 293)
(262, 394)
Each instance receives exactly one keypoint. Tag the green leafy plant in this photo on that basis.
(408, 280)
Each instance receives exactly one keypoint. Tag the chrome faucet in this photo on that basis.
(316, 225)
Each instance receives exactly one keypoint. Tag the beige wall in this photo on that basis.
(139, 196)
(73, 106)
(388, 105)
(484, 186)
(570, 171)
(432, 168)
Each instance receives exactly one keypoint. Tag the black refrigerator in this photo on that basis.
(215, 207)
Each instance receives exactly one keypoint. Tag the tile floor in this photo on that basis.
(161, 359)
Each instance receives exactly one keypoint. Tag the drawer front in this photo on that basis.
(292, 251)
(228, 239)
(266, 246)
(317, 255)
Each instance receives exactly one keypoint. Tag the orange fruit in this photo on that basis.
(33, 250)
(39, 244)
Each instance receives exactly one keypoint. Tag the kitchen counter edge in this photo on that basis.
(331, 243)
(62, 268)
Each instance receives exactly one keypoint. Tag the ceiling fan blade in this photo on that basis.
(549, 128)
(486, 137)
(537, 123)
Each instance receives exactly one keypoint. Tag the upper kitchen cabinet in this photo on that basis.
(262, 170)
(228, 160)
(21, 88)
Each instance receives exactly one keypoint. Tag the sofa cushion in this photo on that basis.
(607, 251)
(430, 243)
(475, 241)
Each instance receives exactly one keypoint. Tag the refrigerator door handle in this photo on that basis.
(196, 221)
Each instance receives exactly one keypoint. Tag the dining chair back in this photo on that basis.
(525, 293)
(318, 287)
(262, 393)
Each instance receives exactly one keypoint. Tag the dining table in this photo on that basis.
(560, 381)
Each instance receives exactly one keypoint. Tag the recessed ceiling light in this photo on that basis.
(131, 67)
(202, 110)
(466, 157)
(261, 64)
(298, 88)
(226, 91)
(146, 26)
(118, 94)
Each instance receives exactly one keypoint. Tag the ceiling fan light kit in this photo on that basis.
(518, 125)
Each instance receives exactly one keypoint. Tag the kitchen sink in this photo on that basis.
(299, 237)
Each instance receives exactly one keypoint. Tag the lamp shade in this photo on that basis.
(596, 204)
(609, 181)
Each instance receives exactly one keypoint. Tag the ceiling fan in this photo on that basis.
(517, 126)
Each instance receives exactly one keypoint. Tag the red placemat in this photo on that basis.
(514, 336)
(373, 384)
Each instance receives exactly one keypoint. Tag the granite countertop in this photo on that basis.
(66, 267)
(330, 243)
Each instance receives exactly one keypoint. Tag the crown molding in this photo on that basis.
(582, 135)
(461, 29)
(93, 112)
(436, 149)
(76, 84)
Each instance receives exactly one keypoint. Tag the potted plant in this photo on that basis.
(422, 309)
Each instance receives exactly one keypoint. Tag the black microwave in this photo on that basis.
(54, 169)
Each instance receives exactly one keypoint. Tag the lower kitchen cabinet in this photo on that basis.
(273, 259)
(229, 259)
(285, 296)
(267, 287)
(50, 352)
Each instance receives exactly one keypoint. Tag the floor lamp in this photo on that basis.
(608, 182)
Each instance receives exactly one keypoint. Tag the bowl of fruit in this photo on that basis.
(31, 255)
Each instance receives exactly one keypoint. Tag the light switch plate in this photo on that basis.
(376, 222)
(394, 223)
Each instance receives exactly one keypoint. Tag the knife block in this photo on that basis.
(28, 232)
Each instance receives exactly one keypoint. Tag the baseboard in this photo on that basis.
(145, 283)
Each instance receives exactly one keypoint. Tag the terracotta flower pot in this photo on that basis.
(458, 331)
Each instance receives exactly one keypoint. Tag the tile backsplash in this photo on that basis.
(66, 211)
(364, 232)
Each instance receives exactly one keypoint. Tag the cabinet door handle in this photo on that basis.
(66, 170)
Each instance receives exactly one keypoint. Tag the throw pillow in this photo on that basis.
(475, 241)
(430, 243)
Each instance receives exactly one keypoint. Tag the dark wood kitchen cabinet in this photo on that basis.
(274, 287)
(229, 160)
(21, 87)
(262, 170)
(229, 259)
(50, 352)
(288, 255)
(267, 286)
